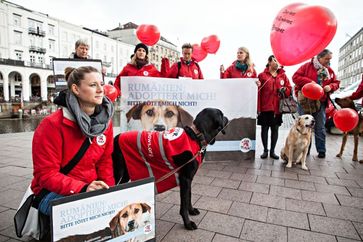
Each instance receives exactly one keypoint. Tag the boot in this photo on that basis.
(264, 154)
(264, 138)
(274, 136)
(273, 155)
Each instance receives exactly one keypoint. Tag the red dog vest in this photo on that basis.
(149, 153)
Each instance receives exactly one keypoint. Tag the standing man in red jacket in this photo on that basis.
(318, 70)
(358, 93)
(187, 67)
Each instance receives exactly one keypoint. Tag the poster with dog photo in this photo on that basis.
(60, 64)
(159, 104)
(121, 213)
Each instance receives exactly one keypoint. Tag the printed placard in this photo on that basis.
(121, 213)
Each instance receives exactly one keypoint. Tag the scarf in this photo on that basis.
(140, 63)
(241, 66)
(94, 125)
(323, 72)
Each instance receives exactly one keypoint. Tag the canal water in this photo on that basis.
(15, 125)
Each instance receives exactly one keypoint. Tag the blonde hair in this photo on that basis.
(134, 57)
(248, 59)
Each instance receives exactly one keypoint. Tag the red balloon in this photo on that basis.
(300, 32)
(148, 34)
(211, 44)
(198, 53)
(346, 119)
(110, 92)
(312, 91)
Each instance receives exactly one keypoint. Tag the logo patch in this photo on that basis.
(249, 74)
(245, 145)
(282, 82)
(101, 139)
(148, 229)
(173, 133)
(196, 72)
(146, 73)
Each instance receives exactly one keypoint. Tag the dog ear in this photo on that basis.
(135, 112)
(145, 207)
(114, 221)
(184, 119)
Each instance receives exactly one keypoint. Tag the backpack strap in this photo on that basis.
(179, 66)
(77, 157)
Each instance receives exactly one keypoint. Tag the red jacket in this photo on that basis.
(268, 92)
(233, 72)
(131, 70)
(56, 140)
(358, 93)
(155, 160)
(192, 70)
(307, 73)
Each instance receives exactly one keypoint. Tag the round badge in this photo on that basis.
(101, 139)
(173, 133)
(195, 71)
(148, 229)
(282, 82)
(249, 74)
(146, 73)
(245, 145)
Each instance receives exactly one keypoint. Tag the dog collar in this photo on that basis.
(197, 137)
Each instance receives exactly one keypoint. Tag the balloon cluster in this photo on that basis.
(209, 45)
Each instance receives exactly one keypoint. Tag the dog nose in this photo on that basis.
(158, 127)
(131, 224)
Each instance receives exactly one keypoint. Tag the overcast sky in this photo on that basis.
(236, 22)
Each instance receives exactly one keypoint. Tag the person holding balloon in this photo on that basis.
(273, 81)
(317, 71)
(187, 67)
(240, 68)
(138, 66)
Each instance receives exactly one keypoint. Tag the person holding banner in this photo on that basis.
(138, 66)
(187, 67)
(81, 127)
(273, 81)
(240, 68)
(318, 70)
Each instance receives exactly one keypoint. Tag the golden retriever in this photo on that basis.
(128, 219)
(156, 116)
(298, 141)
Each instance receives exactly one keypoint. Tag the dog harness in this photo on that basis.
(150, 153)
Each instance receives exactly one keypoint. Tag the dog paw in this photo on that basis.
(288, 165)
(339, 155)
(194, 211)
(304, 168)
(354, 159)
(190, 226)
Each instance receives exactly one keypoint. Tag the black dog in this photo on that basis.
(151, 153)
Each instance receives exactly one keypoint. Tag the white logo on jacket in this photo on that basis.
(146, 73)
(173, 133)
(196, 72)
(282, 82)
(101, 139)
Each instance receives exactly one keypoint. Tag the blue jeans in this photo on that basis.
(44, 205)
(319, 129)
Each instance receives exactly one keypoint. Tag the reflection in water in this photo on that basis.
(30, 124)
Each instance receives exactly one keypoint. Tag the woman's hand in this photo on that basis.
(96, 185)
(221, 68)
(258, 83)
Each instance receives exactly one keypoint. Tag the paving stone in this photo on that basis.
(342, 182)
(174, 198)
(243, 177)
(212, 166)
(287, 218)
(270, 180)
(16, 170)
(257, 231)
(268, 200)
(279, 167)
(286, 175)
(248, 211)
(5, 217)
(6, 180)
(172, 215)
(162, 228)
(227, 183)
(323, 173)
(315, 179)
(162, 196)
(304, 206)
(179, 233)
(254, 187)
(10, 232)
(11, 198)
(349, 176)
(224, 238)
(341, 239)
(356, 192)
(323, 197)
(333, 226)
(332, 189)
(161, 208)
(3, 238)
(350, 201)
(359, 228)
(303, 185)
(235, 195)
(204, 180)
(219, 174)
(259, 172)
(347, 213)
(222, 224)
(213, 204)
(235, 169)
(206, 190)
(285, 192)
(298, 235)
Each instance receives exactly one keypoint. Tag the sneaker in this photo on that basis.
(264, 155)
(274, 156)
(321, 155)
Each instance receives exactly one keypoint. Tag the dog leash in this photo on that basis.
(199, 152)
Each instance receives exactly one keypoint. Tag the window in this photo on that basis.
(32, 59)
(17, 20)
(19, 55)
(41, 59)
(51, 61)
(17, 38)
(50, 29)
(52, 45)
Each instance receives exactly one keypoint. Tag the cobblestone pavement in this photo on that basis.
(238, 200)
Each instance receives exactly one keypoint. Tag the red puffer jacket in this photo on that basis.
(131, 70)
(56, 140)
(233, 72)
(268, 92)
(358, 93)
(192, 70)
(307, 73)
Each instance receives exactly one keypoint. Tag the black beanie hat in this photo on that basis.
(141, 45)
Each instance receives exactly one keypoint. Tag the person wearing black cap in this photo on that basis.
(138, 66)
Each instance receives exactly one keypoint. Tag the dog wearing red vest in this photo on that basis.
(142, 154)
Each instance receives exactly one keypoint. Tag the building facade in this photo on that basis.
(163, 48)
(350, 65)
(29, 40)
